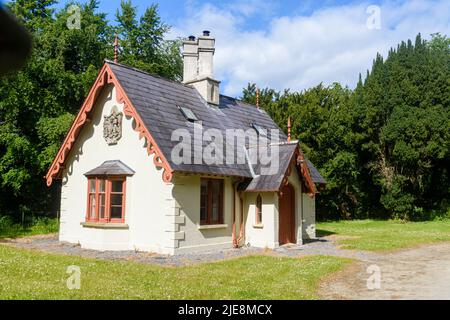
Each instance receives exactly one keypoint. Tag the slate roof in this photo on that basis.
(111, 168)
(272, 182)
(315, 174)
(157, 101)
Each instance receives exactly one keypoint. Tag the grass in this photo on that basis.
(27, 274)
(375, 235)
(38, 226)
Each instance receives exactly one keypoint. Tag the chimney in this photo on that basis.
(198, 56)
(190, 57)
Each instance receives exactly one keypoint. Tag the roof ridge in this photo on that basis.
(170, 80)
(240, 100)
(147, 73)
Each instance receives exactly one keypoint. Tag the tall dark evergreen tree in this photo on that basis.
(383, 147)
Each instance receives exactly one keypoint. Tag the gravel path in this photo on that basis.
(322, 246)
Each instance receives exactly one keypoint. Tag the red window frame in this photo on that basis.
(258, 210)
(207, 199)
(96, 195)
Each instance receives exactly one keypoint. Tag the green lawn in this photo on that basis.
(39, 226)
(28, 274)
(385, 235)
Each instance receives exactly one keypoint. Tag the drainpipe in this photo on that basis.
(241, 231)
(236, 240)
(233, 237)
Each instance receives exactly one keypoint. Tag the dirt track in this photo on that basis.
(418, 273)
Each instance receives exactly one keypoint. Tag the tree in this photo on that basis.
(384, 146)
(38, 104)
(405, 124)
(142, 42)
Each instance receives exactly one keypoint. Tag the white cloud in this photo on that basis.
(297, 52)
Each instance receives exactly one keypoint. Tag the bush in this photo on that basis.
(9, 229)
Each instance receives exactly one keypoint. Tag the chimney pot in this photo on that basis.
(198, 66)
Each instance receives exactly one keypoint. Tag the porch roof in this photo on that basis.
(262, 182)
(272, 182)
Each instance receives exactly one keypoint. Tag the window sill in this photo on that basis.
(258, 226)
(101, 225)
(212, 226)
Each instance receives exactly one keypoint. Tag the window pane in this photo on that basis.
(101, 185)
(116, 199)
(101, 199)
(216, 200)
(259, 209)
(92, 206)
(102, 212)
(211, 196)
(203, 200)
(116, 212)
(117, 186)
(101, 206)
(203, 213)
(92, 186)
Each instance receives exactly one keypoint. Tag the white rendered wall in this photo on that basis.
(191, 236)
(149, 200)
(264, 235)
(309, 217)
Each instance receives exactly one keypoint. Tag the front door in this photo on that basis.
(287, 215)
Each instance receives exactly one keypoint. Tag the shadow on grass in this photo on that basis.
(9, 230)
(12, 233)
(323, 233)
(319, 239)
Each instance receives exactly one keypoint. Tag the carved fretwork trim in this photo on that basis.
(304, 170)
(298, 160)
(105, 77)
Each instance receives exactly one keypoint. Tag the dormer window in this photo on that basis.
(188, 114)
(259, 130)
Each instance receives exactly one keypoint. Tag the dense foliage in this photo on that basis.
(38, 104)
(384, 148)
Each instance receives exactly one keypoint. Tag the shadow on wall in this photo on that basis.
(88, 132)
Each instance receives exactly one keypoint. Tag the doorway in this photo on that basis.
(287, 215)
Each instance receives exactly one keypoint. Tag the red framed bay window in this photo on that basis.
(106, 199)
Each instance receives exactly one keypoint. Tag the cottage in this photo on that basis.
(149, 165)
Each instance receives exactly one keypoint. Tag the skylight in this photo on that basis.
(188, 114)
(260, 130)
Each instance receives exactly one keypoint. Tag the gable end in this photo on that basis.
(105, 77)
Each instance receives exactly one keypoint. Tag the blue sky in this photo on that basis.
(297, 44)
(172, 10)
